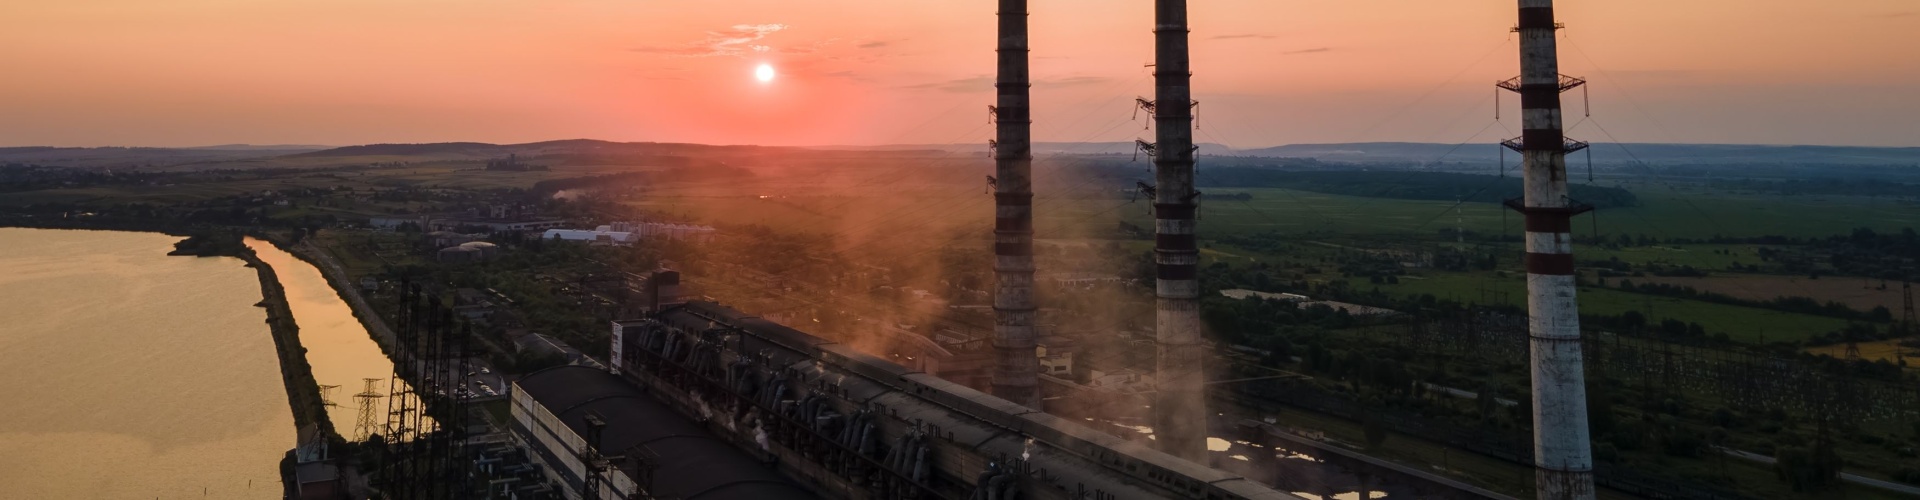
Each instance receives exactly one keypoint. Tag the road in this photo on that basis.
(337, 275)
(1851, 478)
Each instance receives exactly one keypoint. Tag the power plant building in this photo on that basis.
(852, 425)
(602, 438)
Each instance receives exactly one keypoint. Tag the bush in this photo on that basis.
(1606, 452)
(1907, 475)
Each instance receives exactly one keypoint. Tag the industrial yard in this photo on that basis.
(1153, 309)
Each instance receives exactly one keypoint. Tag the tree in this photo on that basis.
(1376, 431)
(1599, 409)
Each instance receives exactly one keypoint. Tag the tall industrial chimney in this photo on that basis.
(1180, 410)
(1016, 368)
(1563, 462)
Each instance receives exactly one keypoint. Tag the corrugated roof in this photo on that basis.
(694, 464)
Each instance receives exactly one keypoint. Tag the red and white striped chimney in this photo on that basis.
(1016, 367)
(1563, 460)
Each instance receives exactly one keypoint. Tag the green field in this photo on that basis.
(1743, 324)
(1660, 214)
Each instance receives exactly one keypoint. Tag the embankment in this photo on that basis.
(303, 393)
(343, 285)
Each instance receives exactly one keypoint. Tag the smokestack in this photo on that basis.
(1563, 462)
(1180, 410)
(1016, 369)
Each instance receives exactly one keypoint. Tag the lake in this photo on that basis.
(132, 374)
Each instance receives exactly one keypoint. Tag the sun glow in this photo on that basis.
(764, 73)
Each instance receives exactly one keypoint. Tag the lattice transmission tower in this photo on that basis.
(369, 397)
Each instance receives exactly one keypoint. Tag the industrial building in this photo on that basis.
(603, 235)
(666, 230)
(628, 233)
(851, 425)
(601, 437)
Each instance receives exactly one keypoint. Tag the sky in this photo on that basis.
(856, 72)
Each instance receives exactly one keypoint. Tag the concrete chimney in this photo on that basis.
(1180, 408)
(1016, 368)
(1563, 462)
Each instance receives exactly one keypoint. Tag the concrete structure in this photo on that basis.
(602, 438)
(1243, 294)
(628, 233)
(539, 344)
(855, 426)
(603, 235)
(1562, 458)
(450, 238)
(472, 251)
(1056, 356)
(420, 222)
(497, 225)
(1015, 367)
(665, 230)
(1180, 408)
(318, 481)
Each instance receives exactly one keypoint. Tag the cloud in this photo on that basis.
(874, 44)
(958, 85)
(1653, 73)
(809, 48)
(1241, 36)
(1314, 50)
(984, 83)
(1072, 80)
(735, 41)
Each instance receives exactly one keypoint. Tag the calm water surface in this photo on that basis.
(338, 346)
(126, 373)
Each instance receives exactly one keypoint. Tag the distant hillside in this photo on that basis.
(117, 157)
(569, 146)
(1404, 185)
(1602, 153)
(1039, 148)
(283, 148)
(437, 148)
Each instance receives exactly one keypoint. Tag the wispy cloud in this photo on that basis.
(1071, 81)
(1241, 36)
(1653, 73)
(958, 85)
(1314, 50)
(984, 83)
(735, 41)
(809, 48)
(874, 44)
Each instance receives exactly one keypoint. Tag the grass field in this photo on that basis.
(1874, 351)
(1745, 324)
(1659, 215)
(1861, 295)
(1297, 212)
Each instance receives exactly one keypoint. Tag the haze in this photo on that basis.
(201, 72)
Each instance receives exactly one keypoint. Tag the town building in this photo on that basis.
(603, 235)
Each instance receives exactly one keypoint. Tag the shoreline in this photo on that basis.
(343, 286)
(303, 392)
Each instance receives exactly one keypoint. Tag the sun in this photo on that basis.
(764, 73)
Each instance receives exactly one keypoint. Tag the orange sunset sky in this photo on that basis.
(1267, 72)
